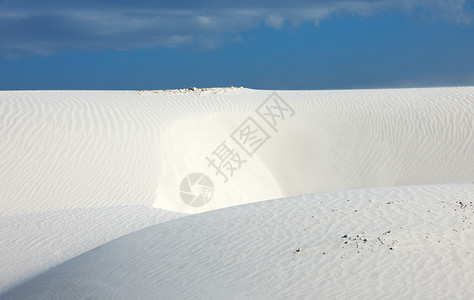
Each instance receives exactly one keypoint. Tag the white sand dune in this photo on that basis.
(33, 242)
(63, 150)
(403, 243)
(81, 168)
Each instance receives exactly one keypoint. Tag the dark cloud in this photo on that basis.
(43, 27)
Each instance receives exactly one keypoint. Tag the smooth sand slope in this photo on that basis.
(31, 243)
(402, 243)
(81, 168)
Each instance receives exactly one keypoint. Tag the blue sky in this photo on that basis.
(144, 44)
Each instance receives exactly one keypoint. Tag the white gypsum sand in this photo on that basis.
(384, 243)
(80, 168)
(33, 242)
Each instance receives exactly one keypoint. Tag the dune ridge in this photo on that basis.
(384, 243)
(77, 161)
(64, 150)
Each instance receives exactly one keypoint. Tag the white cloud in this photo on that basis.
(275, 21)
(42, 27)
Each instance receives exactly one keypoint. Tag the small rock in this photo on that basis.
(298, 250)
